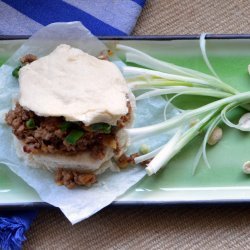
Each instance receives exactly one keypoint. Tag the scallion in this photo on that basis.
(101, 127)
(30, 124)
(15, 72)
(74, 136)
(158, 78)
(65, 126)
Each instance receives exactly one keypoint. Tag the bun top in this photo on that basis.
(71, 83)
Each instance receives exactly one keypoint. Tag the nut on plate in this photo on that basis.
(215, 136)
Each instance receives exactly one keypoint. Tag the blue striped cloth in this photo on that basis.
(24, 17)
(102, 17)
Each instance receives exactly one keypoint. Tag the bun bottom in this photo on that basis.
(82, 162)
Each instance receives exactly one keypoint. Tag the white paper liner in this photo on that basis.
(79, 203)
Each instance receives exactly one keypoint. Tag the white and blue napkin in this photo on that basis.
(101, 17)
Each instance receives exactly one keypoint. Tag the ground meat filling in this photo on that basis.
(73, 178)
(124, 161)
(29, 58)
(50, 134)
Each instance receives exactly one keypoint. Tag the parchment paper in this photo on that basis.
(79, 203)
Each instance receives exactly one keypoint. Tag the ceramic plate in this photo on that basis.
(225, 181)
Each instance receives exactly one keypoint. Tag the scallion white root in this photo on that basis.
(165, 154)
(175, 144)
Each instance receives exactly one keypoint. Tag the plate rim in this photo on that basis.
(150, 37)
(25, 205)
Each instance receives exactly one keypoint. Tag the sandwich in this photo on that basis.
(70, 115)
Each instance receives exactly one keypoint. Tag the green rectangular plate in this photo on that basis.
(225, 181)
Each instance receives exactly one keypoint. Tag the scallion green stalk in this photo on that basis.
(184, 91)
